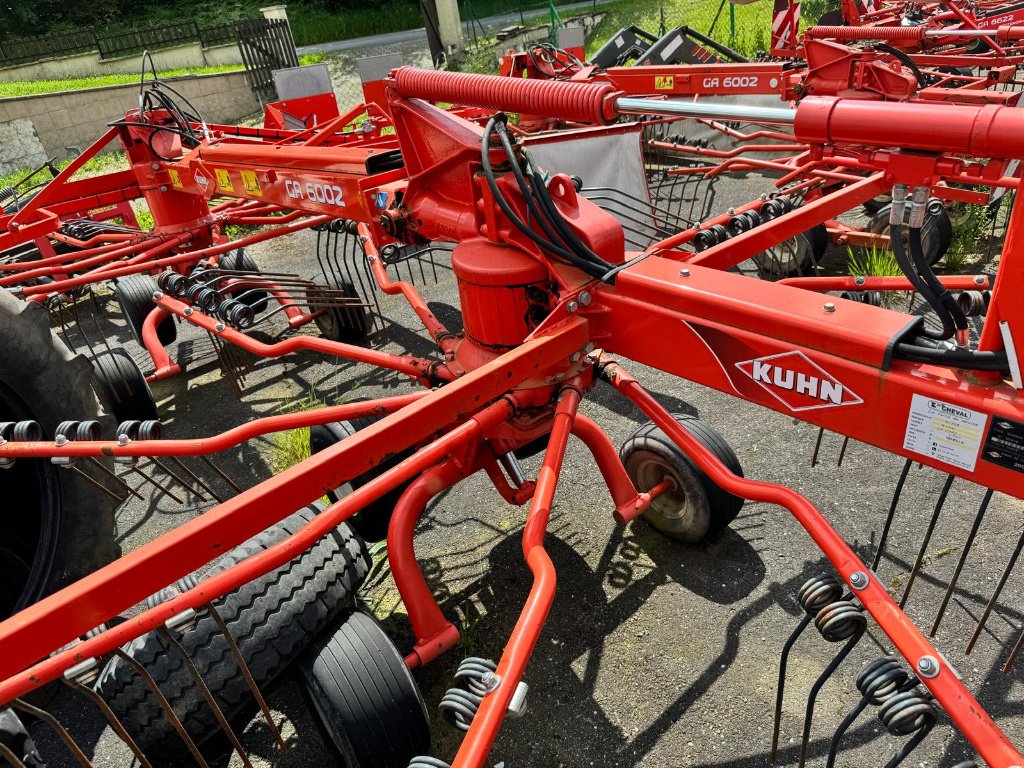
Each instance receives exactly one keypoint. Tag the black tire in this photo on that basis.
(122, 388)
(936, 232)
(792, 257)
(272, 618)
(240, 261)
(371, 522)
(360, 691)
(875, 204)
(64, 527)
(347, 324)
(696, 507)
(134, 294)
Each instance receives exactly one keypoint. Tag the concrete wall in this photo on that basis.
(78, 118)
(90, 64)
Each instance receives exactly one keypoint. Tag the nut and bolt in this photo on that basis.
(157, 295)
(859, 280)
(979, 279)
(858, 580)
(219, 327)
(123, 439)
(187, 312)
(928, 666)
(571, 307)
(828, 306)
(684, 273)
(490, 681)
(585, 299)
(155, 166)
(163, 187)
(60, 441)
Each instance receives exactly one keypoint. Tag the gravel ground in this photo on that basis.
(655, 653)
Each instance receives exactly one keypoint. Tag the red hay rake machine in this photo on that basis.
(554, 288)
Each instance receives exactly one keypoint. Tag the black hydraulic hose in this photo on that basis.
(942, 296)
(905, 60)
(978, 361)
(905, 264)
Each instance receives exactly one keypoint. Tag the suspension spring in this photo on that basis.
(475, 678)
(425, 761)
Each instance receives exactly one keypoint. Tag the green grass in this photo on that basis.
(35, 87)
(108, 162)
(290, 447)
(966, 236)
(873, 262)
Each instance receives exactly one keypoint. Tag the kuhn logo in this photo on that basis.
(797, 382)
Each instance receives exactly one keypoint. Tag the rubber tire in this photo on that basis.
(875, 204)
(802, 261)
(40, 375)
(122, 388)
(272, 618)
(242, 262)
(350, 325)
(134, 293)
(715, 507)
(936, 233)
(361, 693)
(372, 521)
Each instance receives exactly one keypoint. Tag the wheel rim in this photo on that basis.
(679, 510)
(788, 257)
(28, 540)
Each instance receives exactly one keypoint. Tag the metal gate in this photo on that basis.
(266, 45)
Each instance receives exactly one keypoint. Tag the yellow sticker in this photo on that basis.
(175, 178)
(251, 183)
(223, 180)
(664, 83)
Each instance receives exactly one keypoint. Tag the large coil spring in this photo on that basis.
(195, 290)
(459, 705)
(21, 431)
(425, 761)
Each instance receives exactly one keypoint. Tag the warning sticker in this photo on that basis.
(948, 433)
(664, 82)
(223, 180)
(1005, 444)
(175, 178)
(251, 183)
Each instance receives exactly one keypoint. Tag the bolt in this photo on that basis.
(123, 439)
(828, 306)
(928, 666)
(589, 348)
(187, 312)
(858, 580)
(157, 295)
(571, 307)
(219, 327)
(575, 357)
(155, 166)
(60, 441)
(979, 279)
(684, 273)
(163, 187)
(859, 280)
(585, 299)
(490, 681)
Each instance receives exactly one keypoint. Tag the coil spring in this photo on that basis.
(6, 193)
(458, 706)
(908, 712)
(79, 430)
(974, 303)
(840, 620)
(425, 761)
(184, 584)
(818, 593)
(744, 222)
(173, 284)
(21, 431)
(874, 298)
(881, 679)
(713, 235)
(140, 430)
(236, 313)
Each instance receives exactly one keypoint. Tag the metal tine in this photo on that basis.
(927, 538)
(780, 690)
(817, 447)
(10, 757)
(167, 470)
(198, 480)
(154, 483)
(93, 481)
(164, 704)
(1013, 654)
(204, 689)
(108, 713)
(842, 451)
(206, 460)
(963, 559)
(244, 668)
(113, 476)
(995, 595)
(54, 726)
(892, 513)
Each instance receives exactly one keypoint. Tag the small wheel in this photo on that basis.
(339, 323)
(371, 522)
(794, 256)
(122, 388)
(695, 507)
(240, 261)
(135, 295)
(936, 232)
(875, 204)
(364, 699)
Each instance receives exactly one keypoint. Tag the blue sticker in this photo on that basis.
(382, 200)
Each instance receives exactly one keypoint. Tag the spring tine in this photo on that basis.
(842, 451)
(164, 704)
(90, 479)
(817, 447)
(110, 473)
(154, 483)
(168, 471)
(779, 692)
(224, 477)
(108, 713)
(204, 689)
(910, 746)
(56, 727)
(927, 537)
(199, 481)
(892, 513)
(10, 757)
(963, 559)
(833, 746)
(995, 595)
(253, 688)
(1013, 654)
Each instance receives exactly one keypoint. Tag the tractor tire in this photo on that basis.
(350, 325)
(64, 528)
(361, 693)
(695, 507)
(272, 618)
(122, 388)
(240, 261)
(936, 233)
(371, 522)
(135, 295)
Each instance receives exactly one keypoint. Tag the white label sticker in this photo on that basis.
(948, 433)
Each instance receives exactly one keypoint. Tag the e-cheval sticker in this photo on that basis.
(945, 432)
